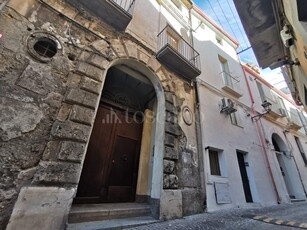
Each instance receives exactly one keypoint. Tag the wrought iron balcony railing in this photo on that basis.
(127, 5)
(178, 54)
(231, 84)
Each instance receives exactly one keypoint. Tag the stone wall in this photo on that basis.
(48, 108)
(181, 167)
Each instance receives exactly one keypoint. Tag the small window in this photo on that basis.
(300, 147)
(219, 40)
(45, 47)
(236, 119)
(214, 162)
(233, 119)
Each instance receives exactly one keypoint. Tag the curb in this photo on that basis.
(279, 221)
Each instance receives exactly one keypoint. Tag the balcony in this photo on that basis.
(231, 84)
(177, 54)
(117, 13)
(276, 111)
(294, 121)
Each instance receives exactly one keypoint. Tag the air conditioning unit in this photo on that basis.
(228, 106)
(286, 37)
(282, 112)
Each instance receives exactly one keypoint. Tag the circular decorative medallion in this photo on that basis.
(187, 115)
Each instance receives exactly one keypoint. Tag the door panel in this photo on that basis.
(98, 155)
(110, 168)
(244, 176)
(123, 158)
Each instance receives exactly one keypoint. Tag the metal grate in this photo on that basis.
(45, 47)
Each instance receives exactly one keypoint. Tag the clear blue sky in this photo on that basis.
(224, 13)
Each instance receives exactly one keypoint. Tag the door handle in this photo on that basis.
(124, 157)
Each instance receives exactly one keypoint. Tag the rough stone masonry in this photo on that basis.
(48, 107)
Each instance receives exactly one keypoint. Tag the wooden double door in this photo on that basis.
(110, 168)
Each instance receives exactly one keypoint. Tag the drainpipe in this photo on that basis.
(199, 133)
(200, 136)
(261, 136)
(3, 4)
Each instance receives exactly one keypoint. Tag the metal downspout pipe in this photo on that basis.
(199, 133)
(261, 136)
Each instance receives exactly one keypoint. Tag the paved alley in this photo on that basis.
(286, 214)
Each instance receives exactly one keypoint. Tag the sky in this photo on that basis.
(224, 13)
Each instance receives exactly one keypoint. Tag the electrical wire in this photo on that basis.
(238, 25)
(230, 27)
(217, 18)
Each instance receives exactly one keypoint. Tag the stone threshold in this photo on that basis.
(125, 223)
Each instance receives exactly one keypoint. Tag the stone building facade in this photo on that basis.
(107, 103)
(56, 59)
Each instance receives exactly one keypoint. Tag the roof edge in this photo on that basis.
(219, 28)
(280, 93)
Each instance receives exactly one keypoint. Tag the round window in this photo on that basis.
(43, 46)
(46, 47)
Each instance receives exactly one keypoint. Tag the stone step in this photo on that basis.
(297, 200)
(113, 224)
(94, 212)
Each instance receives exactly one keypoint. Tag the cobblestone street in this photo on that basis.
(285, 214)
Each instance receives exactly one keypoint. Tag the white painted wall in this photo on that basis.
(218, 132)
(141, 26)
(221, 134)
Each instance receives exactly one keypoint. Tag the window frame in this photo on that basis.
(236, 119)
(227, 78)
(173, 39)
(233, 119)
(214, 161)
(301, 149)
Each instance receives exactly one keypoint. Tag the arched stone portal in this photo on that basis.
(133, 83)
(287, 168)
(110, 172)
(59, 170)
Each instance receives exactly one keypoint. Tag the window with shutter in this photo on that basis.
(214, 163)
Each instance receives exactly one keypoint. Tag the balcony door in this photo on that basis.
(226, 72)
(173, 40)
